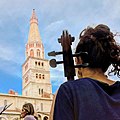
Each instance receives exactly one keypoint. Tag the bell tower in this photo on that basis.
(34, 47)
(35, 70)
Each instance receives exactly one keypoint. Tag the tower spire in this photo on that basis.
(34, 18)
(34, 47)
(35, 70)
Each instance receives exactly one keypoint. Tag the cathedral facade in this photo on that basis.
(36, 85)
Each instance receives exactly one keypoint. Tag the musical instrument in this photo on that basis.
(69, 68)
(68, 62)
(3, 108)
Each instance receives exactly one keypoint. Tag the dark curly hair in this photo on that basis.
(102, 49)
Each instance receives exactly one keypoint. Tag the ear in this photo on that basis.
(78, 60)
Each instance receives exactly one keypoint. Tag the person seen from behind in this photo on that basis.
(93, 96)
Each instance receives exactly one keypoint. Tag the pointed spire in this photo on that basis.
(34, 18)
(34, 39)
(34, 35)
(34, 15)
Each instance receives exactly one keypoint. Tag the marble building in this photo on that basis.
(36, 85)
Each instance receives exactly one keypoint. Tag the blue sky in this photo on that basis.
(54, 16)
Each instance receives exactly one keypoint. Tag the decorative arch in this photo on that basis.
(15, 118)
(3, 118)
(31, 53)
(45, 118)
(43, 76)
(39, 117)
(42, 64)
(38, 53)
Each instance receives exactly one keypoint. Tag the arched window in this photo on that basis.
(42, 91)
(5, 102)
(39, 76)
(31, 53)
(39, 63)
(39, 116)
(26, 79)
(45, 118)
(38, 53)
(36, 75)
(36, 63)
(39, 91)
(41, 106)
(42, 64)
(43, 76)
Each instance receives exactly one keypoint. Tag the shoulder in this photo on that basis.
(77, 88)
(78, 83)
(29, 117)
(84, 84)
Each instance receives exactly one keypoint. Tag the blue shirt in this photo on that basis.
(87, 99)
